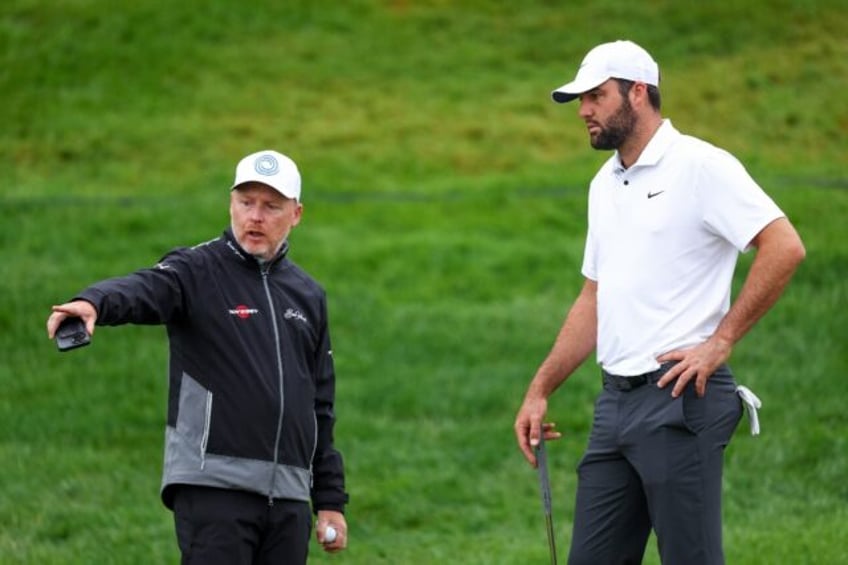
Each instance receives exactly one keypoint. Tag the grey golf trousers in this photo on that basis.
(654, 462)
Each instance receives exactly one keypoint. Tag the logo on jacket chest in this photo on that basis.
(292, 314)
(243, 312)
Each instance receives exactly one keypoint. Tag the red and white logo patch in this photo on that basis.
(243, 312)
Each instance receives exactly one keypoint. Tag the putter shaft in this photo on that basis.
(545, 487)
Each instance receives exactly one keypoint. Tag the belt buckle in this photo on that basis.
(628, 384)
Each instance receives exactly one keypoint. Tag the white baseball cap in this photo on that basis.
(618, 59)
(272, 169)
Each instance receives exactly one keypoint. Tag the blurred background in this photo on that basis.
(444, 213)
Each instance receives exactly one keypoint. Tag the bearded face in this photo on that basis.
(612, 132)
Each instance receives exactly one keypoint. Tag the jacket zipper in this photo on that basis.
(314, 449)
(207, 424)
(264, 271)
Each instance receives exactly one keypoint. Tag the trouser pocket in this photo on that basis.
(718, 411)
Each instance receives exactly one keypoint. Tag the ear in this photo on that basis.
(639, 93)
(232, 201)
(298, 213)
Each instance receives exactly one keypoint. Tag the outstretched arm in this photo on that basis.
(147, 296)
(779, 252)
(576, 340)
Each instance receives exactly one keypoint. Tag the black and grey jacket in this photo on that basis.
(252, 383)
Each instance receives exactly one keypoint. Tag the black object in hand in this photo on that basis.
(72, 334)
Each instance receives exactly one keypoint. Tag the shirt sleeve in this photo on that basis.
(589, 268)
(734, 205)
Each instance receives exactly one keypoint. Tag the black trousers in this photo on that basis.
(229, 527)
(654, 462)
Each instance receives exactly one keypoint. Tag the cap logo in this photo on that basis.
(266, 165)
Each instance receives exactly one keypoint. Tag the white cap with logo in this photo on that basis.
(618, 59)
(270, 168)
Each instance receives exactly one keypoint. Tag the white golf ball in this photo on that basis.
(329, 534)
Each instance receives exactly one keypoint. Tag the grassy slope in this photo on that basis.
(444, 214)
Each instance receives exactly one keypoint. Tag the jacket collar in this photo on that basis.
(248, 259)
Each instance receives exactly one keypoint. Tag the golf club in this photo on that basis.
(545, 485)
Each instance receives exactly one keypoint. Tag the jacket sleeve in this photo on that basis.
(148, 296)
(328, 485)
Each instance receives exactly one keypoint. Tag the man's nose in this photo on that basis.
(583, 109)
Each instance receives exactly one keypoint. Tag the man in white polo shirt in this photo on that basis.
(668, 215)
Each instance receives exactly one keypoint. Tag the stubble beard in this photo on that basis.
(617, 129)
(264, 254)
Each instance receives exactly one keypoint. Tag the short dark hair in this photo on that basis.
(624, 87)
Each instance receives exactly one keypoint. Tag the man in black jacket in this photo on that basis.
(249, 437)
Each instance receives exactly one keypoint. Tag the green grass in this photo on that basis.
(445, 211)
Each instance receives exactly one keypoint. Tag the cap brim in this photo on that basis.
(266, 183)
(563, 97)
(569, 91)
(243, 182)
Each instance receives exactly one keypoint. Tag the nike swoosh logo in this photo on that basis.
(652, 194)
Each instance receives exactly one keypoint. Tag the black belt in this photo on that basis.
(626, 384)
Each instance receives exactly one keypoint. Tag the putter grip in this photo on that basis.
(544, 479)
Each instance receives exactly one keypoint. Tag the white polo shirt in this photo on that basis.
(662, 244)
